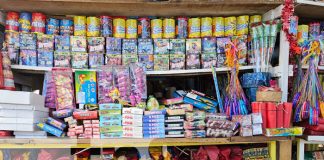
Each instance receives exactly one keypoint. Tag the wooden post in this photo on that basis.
(285, 148)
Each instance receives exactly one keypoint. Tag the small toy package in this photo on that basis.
(241, 46)
(208, 60)
(85, 87)
(105, 84)
(96, 44)
(161, 46)
(122, 81)
(96, 60)
(28, 57)
(12, 39)
(145, 46)
(45, 42)
(221, 48)
(129, 58)
(78, 44)
(177, 46)
(62, 43)
(45, 58)
(113, 59)
(195, 133)
(27, 41)
(161, 62)
(194, 125)
(129, 46)
(196, 115)
(13, 55)
(63, 80)
(113, 45)
(138, 81)
(193, 61)
(177, 61)
(209, 45)
(62, 59)
(193, 46)
(79, 60)
(49, 91)
(147, 60)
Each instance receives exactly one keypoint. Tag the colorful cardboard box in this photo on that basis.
(86, 87)
(177, 46)
(113, 45)
(145, 46)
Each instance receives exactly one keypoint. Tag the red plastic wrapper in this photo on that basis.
(271, 115)
(81, 115)
(12, 23)
(287, 114)
(280, 116)
(38, 22)
(5, 133)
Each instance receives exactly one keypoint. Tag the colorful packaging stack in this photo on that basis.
(177, 54)
(153, 124)
(129, 51)
(45, 50)
(200, 101)
(195, 124)
(28, 52)
(221, 48)
(145, 53)
(161, 54)
(132, 120)
(79, 52)
(110, 120)
(219, 126)
(113, 51)
(72, 124)
(96, 49)
(193, 52)
(208, 57)
(53, 126)
(249, 124)
(62, 54)
(85, 87)
(91, 129)
(12, 43)
(89, 121)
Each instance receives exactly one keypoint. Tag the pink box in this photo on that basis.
(79, 127)
(79, 131)
(88, 129)
(95, 136)
(71, 129)
(96, 133)
(88, 132)
(95, 130)
(95, 121)
(95, 125)
(71, 134)
(86, 121)
(87, 125)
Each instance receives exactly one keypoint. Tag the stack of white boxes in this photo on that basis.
(132, 121)
(20, 111)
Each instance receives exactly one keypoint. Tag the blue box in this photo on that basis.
(153, 125)
(146, 132)
(45, 58)
(249, 80)
(155, 112)
(113, 45)
(145, 46)
(153, 120)
(153, 117)
(110, 106)
(154, 136)
(115, 117)
(154, 128)
(86, 87)
(199, 105)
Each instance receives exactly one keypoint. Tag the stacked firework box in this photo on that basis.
(193, 52)
(110, 120)
(45, 50)
(91, 129)
(114, 51)
(132, 120)
(174, 120)
(79, 52)
(88, 120)
(208, 56)
(53, 126)
(28, 52)
(62, 54)
(129, 51)
(195, 124)
(145, 53)
(218, 125)
(177, 54)
(250, 124)
(21, 116)
(161, 54)
(153, 124)
(96, 49)
(72, 123)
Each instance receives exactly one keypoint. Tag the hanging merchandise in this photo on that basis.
(66, 27)
(80, 25)
(235, 101)
(53, 26)
(206, 27)
(93, 27)
(119, 27)
(194, 27)
(218, 27)
(138, 89)
(302, 33)
(144, 28)
(230, 26)
(106, 27)
(25, 19)
(12, 23)
(314, 30)
(156, 28)
(169, 28)
(308, 101)
(131, 28)
(38, 23)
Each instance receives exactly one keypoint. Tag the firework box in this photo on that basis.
(96, 44)
(177, 61)
(208, 60)
(113, 59)
(62, 59)
(62, 43)
(110, 117)
(155, 112)
(110, 112)
(79, 60)
(132, 129)
(161, 62)
(27, 41)
(145, 46)
(192, 61)
(132, 122)
(282, 132)
(161, 46)
(96, 60)
(153, 125)
(134, 117)
(268, 96)
(113, 45)
(111, 135)
(129, 58)
(78, 44)
(147, 60)
(45, 58)
(147, 120)
(177, 46)
(133, 110)
(45, 42)
(28, 57)
(200, 105)
(159, 128)
(108, 129)
(110, 123)
(149, 136)
(193, 46)
(110, 106)
(129, 46)
(209, 45)
(85, 87)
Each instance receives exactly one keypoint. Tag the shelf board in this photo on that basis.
(111, 143)
(41, 70)
(142, 7)
(310, 9)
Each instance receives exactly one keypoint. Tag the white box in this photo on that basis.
(132, 117)
(138, 123)
(133, 110)
(23, 107)
(132, 135)
(132, 129)
(32, 133)
(18, 127)
(29, 137)
(21, 120)
(22, 113)
(20, 97)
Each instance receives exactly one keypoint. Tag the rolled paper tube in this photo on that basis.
(287, 114)
(256, 107)
(271, 115)
(280, 115)
(263, 108)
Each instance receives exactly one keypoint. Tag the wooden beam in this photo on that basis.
(285, 149)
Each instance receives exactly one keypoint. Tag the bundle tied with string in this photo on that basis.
(308, 101)
(236, 102)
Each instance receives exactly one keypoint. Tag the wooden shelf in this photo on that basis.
(111, 143)
(310, 9)
(143, 7)
(42, 70)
